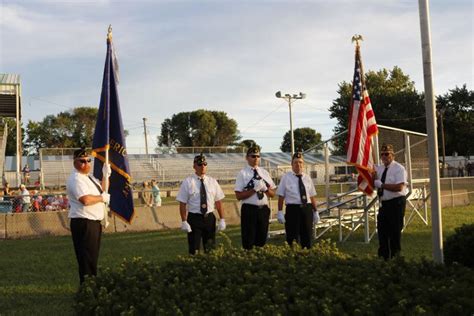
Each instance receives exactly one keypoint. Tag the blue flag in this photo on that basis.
(109, 136)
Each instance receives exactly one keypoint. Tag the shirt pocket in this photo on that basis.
(293, 187)
(390, 179)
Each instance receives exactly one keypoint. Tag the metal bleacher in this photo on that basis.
(168, 169)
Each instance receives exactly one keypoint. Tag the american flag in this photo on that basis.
(362, 126)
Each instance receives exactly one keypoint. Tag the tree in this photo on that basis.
(74, 128)
(456, 109)
(10, 148)
(248, 143)
(394, 99)
(198, 129)
(305, 138)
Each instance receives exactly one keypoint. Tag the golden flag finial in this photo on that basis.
(357, 38)
(109, 33)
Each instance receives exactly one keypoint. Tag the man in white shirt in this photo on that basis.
(87, 209)
(391, 182)
(253, 187)
(297, 190)
(199, 195)
(25, 199)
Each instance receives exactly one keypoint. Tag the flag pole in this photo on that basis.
(430, 106)
(106, 182)
(357, 38)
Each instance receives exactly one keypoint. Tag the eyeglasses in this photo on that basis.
(385, 154)
(202, 164)
(84, 161)
(255, 156)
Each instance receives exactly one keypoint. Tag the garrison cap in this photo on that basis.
(200, 159)
(81, 153)
(255, 150)
(297, 155)
(387, 148)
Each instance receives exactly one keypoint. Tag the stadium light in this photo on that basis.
(290, 99)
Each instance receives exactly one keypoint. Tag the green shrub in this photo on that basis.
(459, 247)
(278, 280)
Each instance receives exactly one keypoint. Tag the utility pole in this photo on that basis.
(437, 227)
(146, 136)
(443, 146)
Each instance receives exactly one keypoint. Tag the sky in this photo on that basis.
(229, 56)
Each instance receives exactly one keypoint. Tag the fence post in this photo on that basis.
(452, 192)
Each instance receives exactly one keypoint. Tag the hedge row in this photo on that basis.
(278, 280)
(460, 245)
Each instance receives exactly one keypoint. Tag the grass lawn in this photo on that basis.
(39, 276)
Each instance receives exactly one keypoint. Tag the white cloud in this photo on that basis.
(229, 56)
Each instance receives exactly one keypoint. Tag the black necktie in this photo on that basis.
(384, 175)
(203, 197)
(304, 198)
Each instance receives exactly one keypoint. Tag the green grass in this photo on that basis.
(39, 276)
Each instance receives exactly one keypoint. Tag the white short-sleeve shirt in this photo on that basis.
(396, 173)
(289, 188)
(244, 177)
(190, 193)
(79, 185)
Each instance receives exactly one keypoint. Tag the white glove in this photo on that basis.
(106, 170)
(105, 197)
(259, 186)
(281, 217)
(221, 225)
(186, 227)
(316, 217)
(378, 184)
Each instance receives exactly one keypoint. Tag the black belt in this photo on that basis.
(299, 205)
(393, 200)
(200, 214)
(255, 206)
(85, 219)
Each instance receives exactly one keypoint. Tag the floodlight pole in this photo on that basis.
(290, 99)
(437, 228)
(146, 136)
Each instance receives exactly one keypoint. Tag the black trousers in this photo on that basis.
(299, 224)
(86, 236)
(203, 228)
(389, 227)
(254, 225)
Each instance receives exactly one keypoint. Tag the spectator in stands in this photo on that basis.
(36, 199)
(391, 182)
(297, 190)
(26, 174)
(64, 202)
(25, 199)
(199, 195)
(156, 193)
(253, 187)
(470, 169)
(460, 169)
(6, 191)
(146, 194)
(86, 212)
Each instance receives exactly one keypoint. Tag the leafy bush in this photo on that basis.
(459, 246)
(278, 280)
